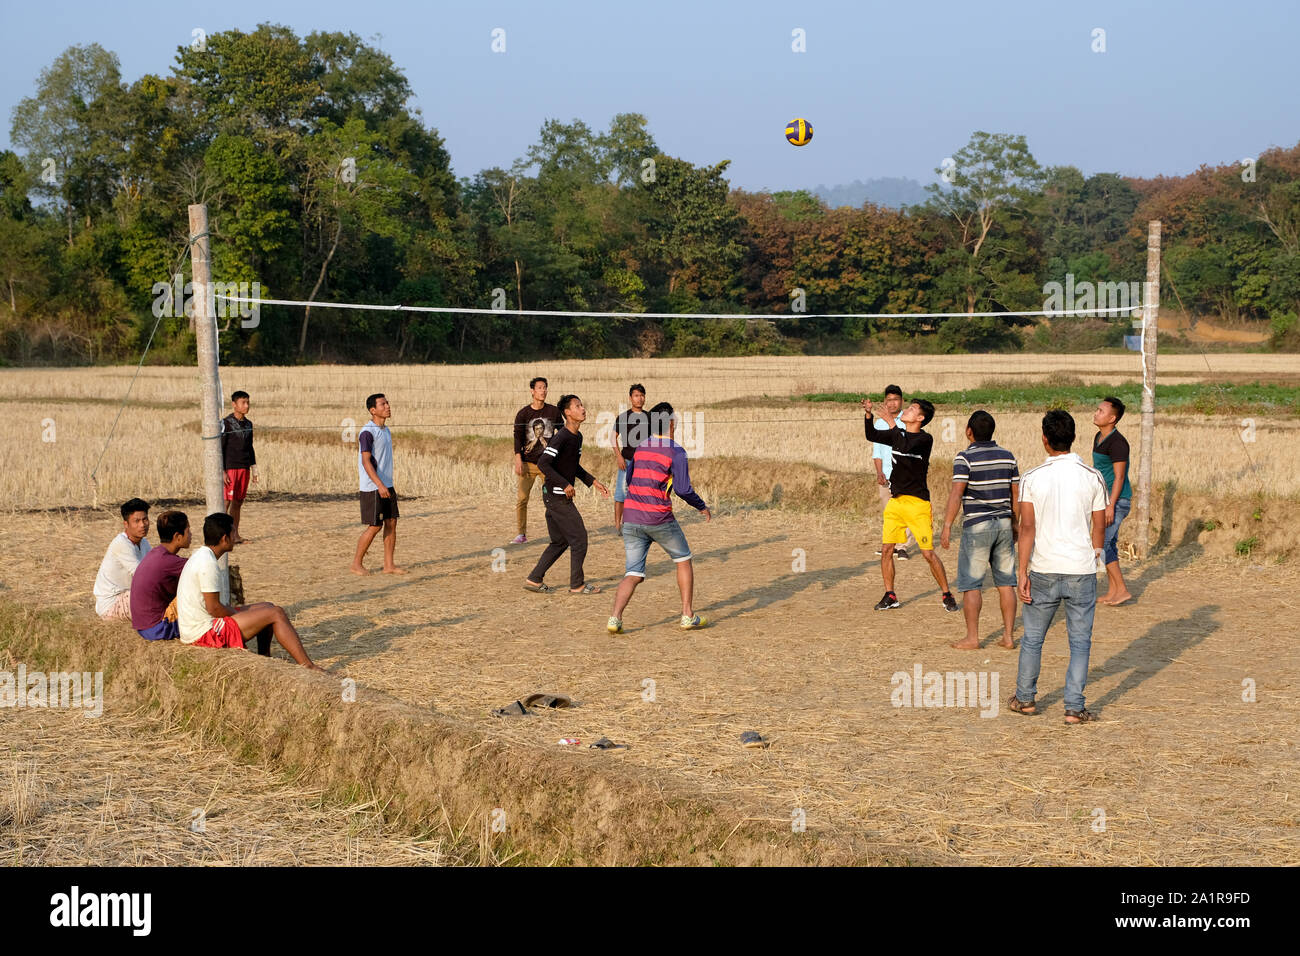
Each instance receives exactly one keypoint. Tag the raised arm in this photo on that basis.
(885, 436)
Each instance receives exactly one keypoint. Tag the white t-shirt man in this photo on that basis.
(116, 570)
(202, 573)
(1064, 492)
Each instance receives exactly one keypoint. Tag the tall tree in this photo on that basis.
(994, 181)
(64, 129)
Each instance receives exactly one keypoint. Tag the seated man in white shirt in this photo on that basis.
(206, 622)
(113, 583)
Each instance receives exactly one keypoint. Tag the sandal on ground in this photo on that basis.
(1084, 716)
(547, 700)
(540, 589)
(1018, 706)
(587, 589)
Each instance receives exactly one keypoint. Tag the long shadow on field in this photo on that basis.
(1164, 559)
(334, 598)
(781, 589)
(658, 564)
(355, 637)
(1149, 654)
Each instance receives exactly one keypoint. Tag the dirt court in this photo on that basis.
(1179, 770)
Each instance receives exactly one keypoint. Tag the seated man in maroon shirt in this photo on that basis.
(154, 584)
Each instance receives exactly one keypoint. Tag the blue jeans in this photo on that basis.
(637, 539)
(620, 482)
(1047, 592)
(1111, 545)
(987, 544)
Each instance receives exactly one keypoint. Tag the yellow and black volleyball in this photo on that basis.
(799, 132)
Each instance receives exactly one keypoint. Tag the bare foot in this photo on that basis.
(1117, 599)
(967, 644)
(394, 570)
(239, 540)
(1007, 643)
(358, 569)
(312, 666)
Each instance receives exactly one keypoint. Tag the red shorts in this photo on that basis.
(224, 632)
(236, 484)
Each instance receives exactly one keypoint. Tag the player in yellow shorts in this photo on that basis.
(907, 513)
(909, 508)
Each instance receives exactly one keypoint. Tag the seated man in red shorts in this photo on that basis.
(206, 622)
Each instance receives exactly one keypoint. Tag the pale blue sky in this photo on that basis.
(891, 88)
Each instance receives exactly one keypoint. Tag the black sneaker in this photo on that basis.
(901, 554)
(950, 603)
(889, 601)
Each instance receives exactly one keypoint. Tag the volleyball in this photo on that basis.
(799, 132)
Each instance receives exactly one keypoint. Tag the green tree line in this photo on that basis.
(324, 184)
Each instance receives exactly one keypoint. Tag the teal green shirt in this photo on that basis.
(1107, 451)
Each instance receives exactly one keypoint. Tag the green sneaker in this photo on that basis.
(615, 625)
(693, 623)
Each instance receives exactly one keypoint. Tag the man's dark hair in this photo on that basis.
(217, 526)
(1116, 404)
(927, 410)
(981, 425)
(638, 387)
(170, 524)
(533, 383)
(132, 506)
(893, 390)
(1058, 429)
(236, 396)
(659, 418)
(373, 400)
(564, 402)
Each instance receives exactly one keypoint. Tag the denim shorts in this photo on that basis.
(987, 544)
(1111, 545)
(620, 482)
(637, 539)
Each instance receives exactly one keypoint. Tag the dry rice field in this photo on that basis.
(1181, 769)
(58, 422)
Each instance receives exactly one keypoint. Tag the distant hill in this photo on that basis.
(892, 191)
